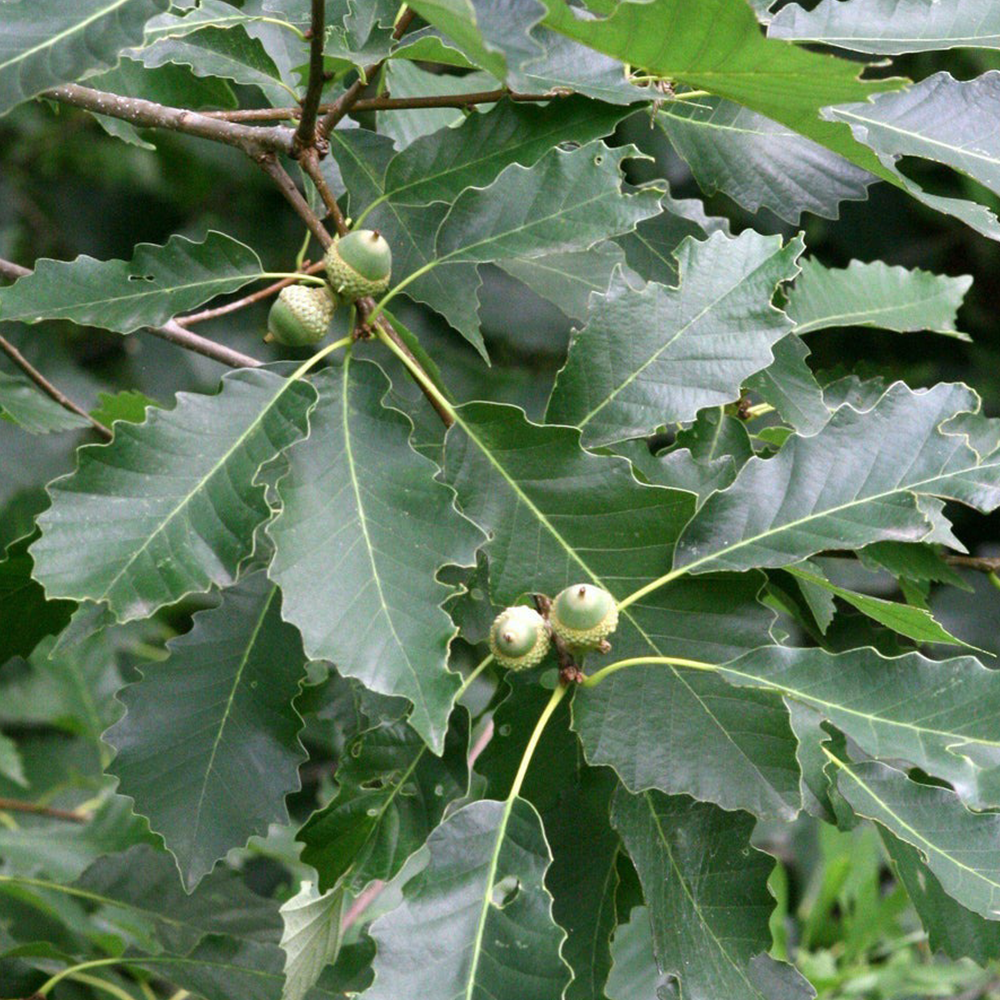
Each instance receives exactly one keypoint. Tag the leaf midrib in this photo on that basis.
(286, 385)
(647, 798)
(913, 488)
(66, 33)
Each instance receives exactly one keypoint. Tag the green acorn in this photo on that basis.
(358, 264)
(519, 638)
(583, 615)
(300, 315)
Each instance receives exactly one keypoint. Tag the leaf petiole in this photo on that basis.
(672, 661)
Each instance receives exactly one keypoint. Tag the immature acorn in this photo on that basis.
(519, 638)
(583, 615)
(358, 264)
(300, 315)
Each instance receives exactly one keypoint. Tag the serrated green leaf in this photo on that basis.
(566, 201)
(11, 766)
(362, 532)
(717, 46)
(440, 167)
(758, 162)
(33, 411)
(935, 715)
(568, 279)
(959, 847)
(912, 561)
(659, 355)
(875, 295)
(890, 27)
(789, 385)
(311, 938)
(392, 793)
(634, 973)
(941, 119)
(48, 42)
(481, 908)
(551, 508)
(142, 883)
(129, 405)
(951, 928)
(915, 623)
(156, 532)
(706, 889)
(780, 511)
(214, 43)
(208, 747)
(25, 616)
(158, 283)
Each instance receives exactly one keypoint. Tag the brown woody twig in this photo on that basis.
(350, 97)
(389, 104)
(247, 300)
(16, 805)
(268, 162)
(148, 114)
(49, 389)
(305, 135)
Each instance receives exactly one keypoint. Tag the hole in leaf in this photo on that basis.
(373, 784)
(142, 277)
(505, 891)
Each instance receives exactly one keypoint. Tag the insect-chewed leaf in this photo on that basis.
(482, 893)
(392, 792)
(184, 753)
(157, 283)
(156, 530)
(48, 42)
(706, 890)
(857, 481)
(363, 530)
(659, 355)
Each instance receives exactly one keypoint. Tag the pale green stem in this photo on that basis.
(73, 970)
(180, 995)
(301, 255)
(650, 587)
(393, 292)
(637, 661)
(316, 358)
(759, 410)
(470, 680)
(415, 370)
(306, 279)
(529, 751)
(994, 579)
(100, 984)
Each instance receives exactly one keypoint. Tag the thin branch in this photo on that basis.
(984, 564)
(390, 104)
(49, 389)
(16, 805)
(190, 341)
(309, 161)
(12, 271)
(247, 300)
(305, 134)
(148, 114)
(350, 97)
(268, 162)
(361, 904)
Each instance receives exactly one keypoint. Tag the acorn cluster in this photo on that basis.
(581, 617)
(357, 265)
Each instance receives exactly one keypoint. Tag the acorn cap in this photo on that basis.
(300, 315)
(359, 264)
(582, 615)
(519, 638)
